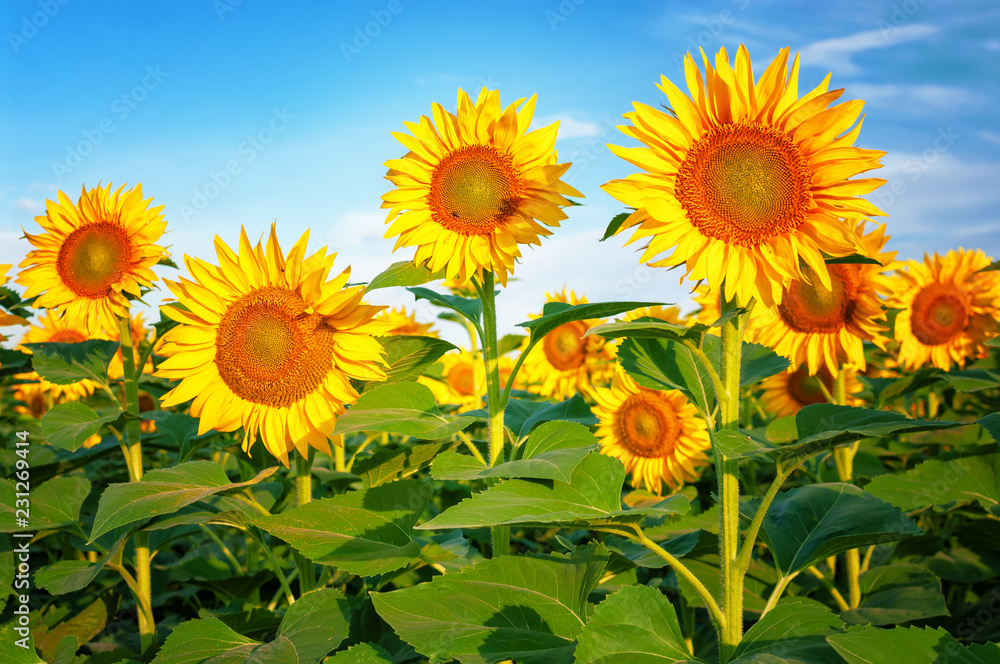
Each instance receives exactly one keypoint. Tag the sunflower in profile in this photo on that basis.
(400, 321)
(93, 254)
(474, 186)
(65, 329)
(746, 181)
(463, 380)
(565, 362)
(948, 309)
(789, 391)
(267, 343)
(826, 327)
(657, 434)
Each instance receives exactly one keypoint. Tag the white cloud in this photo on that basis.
(569, 127)
(991, 136)
(836, 53)
(917, 99)
(28, 204)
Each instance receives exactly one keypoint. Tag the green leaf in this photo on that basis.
(898, 593)
(364, 532)
(811, 523)
(530, 609)
(403, 273)
(390, 465)
(942, 484)
(66, 576)
(510, 342)
(409, 356)
(11, 652)
(759, 362)
(69, 425)
(992, 425)
(662, 364)
(552, 452)
(521, 416)
(556, 314)
(628, 554)
(591, 498)
(793, 631)
(405, 408)
(64, 364)
(53, 504)
(972, 380)
(163, 491)
(739, 445)
(469, 308)
(888, 390)
(647, 329)
(60, 642)
(992, 267)
(912, 645)
(362, 653)
(317, 623)
(852, 259)
(616, 223)
(636, 624)
(195, 641)
(14, 361)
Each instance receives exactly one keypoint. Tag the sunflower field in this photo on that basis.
(274, 467)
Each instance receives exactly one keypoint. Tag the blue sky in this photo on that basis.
(299, 102)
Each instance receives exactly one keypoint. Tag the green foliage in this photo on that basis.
(69, 425)
(403, 273)
(410, 356)
(404, 408)
(64, 364)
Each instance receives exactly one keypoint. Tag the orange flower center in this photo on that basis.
(939, 314)
(474, 189)
(805, 389)
(67, 337)
(93, 258)
(648, 425)
(462, 379)
(811, 308)
(565, 347)
(270, 350)
(744, 184)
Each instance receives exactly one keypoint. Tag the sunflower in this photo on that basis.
(787, 392)
(402, 322)
(657, 434)
(745, 180)
(65, 329)
(460, 287)
(36, 399)
(267, 343)
(948, 309)
(463, 380)
(473, 185)
(825, 327)
(6, 318)
(93, 253)
(4, 269)
(565, 362)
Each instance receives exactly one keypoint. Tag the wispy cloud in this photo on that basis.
(569, 127)
(918, 99)
(836, 53)
(991, 136)
(28, 204)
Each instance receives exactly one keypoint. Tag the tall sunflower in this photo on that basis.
(746, 180)
(657, 434)
(267, 343)
(400, 321)
(463, 380)
(65, 329)
(474, 186)
(565, 362)
(825, 327)
(948, 309)
(94, 253)
(788, 392)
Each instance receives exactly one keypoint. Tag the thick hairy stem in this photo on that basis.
(303, 493)
(494, 403)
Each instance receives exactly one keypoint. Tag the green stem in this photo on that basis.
(729, 492)
(743, 560)
(477, 389)
(133, 457)
(233, 562)
(779, 588)
(844, 458)
(832, 589)
(276, 566)
(303, 493)
(491, 356)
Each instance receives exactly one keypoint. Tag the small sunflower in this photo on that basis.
(267, 343)
(473, 185)
(789, 391)
(948, 309)
(92, 254)
(746, 180)
(657, 434)
(400, 321)
(65, 329)
(565, 362)
(825, 327)
(463, 380)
